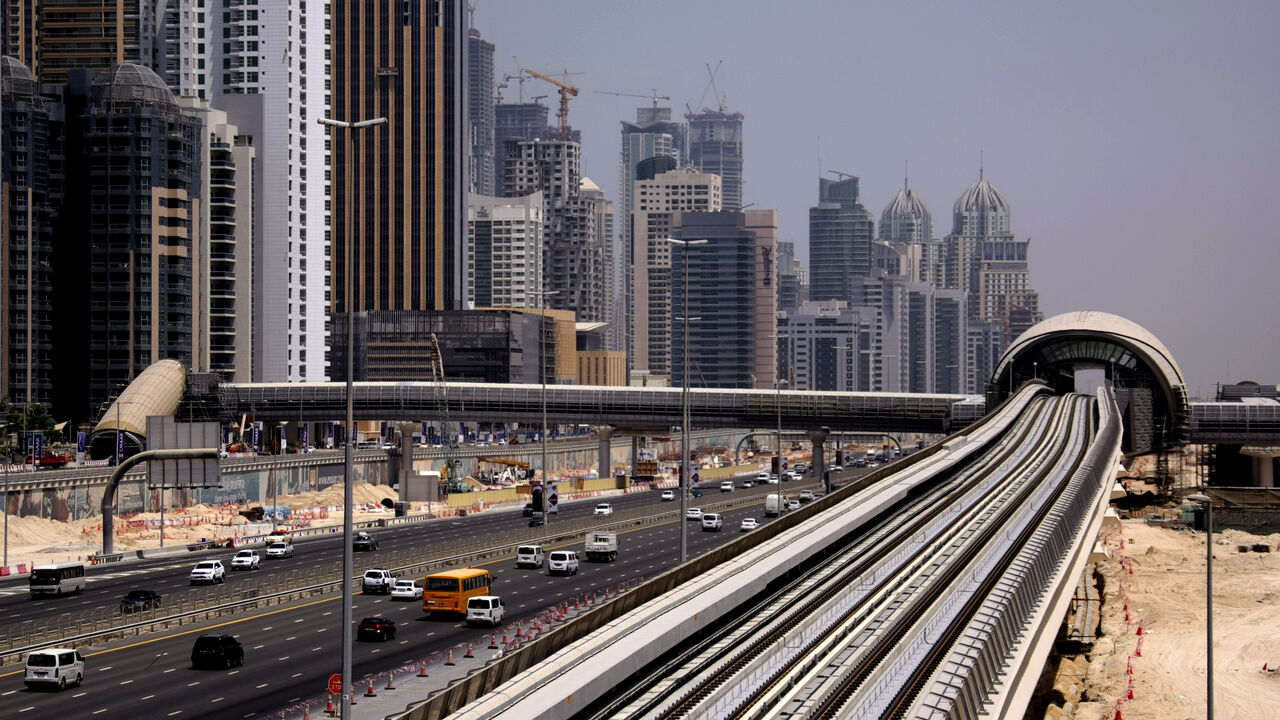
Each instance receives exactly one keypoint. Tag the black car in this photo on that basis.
(364, 541)
(139, 600)
(217, 651)
(536, 519)
(528, 509)
(376, 628)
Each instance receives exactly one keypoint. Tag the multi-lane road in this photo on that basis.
(291, 649)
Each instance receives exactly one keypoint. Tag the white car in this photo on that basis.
(793, 505)
(604, 509)
(280, 550)
(806, 496)
(668, 495)
(748, 524)
(246, 560)
(693, 514)
(562, 562)
(56, 667)
(406, 590)
(208, 571)
(711, 521)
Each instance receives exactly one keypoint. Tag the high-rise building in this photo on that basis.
(715, 146)
(657, 202)
(142, 245)
(268, 69)
(984, 260)
(224, 278)
(402, 61)
(517, 121)
(829, 346)
(504, 251)
(732, 290)
(612, 307)
(840, 234)
(31, 199)
(573, 261)
(906, 228)
(480, 99)
(174, 39)
(52, 37)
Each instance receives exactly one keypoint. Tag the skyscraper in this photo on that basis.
(658, 202)
(53, 37)
(268, 70)
(32, 197)
(480, 107)
(403, 61)
(504, 251)
(715, 146)
(174, 39)
(840, 234)
(732, 290)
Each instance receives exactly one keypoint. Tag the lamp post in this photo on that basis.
(348, 474)
(8, 460)
(1207, 502)
(684, 423)
(542, 371)
(777, 384)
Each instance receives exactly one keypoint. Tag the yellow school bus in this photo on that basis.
(449, 591)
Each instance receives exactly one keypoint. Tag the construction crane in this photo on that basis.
(653, 95)
(566, 90)
(721, 100)
(450, 439)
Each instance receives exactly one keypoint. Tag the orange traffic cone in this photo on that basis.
(505, 641)
(390, 684)
(469, 653)
(352, 701)
(370, 692)
(306, 713)
(449, 658)
(493, 641)
(329, 710)
(422, 669)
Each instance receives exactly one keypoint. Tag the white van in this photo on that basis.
(562, 562)
(711, 521)
(530, 556)
(57, 579)
(55, 666)
(486, 609)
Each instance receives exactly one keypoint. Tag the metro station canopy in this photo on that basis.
(1131, 356)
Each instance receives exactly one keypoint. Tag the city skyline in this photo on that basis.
(1064, 111)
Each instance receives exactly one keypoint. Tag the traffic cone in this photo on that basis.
(505, 641)
(370, 692)
(520, 630)
(449, 658)
(329, 710)
(422, 669)
(493, 641)
(306, 713)
(353, 698)
(390, 684)
(1118, 715)
(1139, 628)
(469, 653)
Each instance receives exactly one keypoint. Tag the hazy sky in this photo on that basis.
(1138, 142)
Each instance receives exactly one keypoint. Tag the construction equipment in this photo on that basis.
(721, 100)
(566, 90)
(652, 95)
(504, 461)
(450, 440)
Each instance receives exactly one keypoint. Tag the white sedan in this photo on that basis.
(668, 495)
(406, 590)
(280, 550)
(604, 509)
(693, 514)
(749, 524)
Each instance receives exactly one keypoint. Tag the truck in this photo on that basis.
(773, 505)
(602, 546)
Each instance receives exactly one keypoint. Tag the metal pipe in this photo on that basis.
(109, 494)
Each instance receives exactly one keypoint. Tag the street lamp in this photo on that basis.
(348, 474)
(542, 371)
(1207, 502)
(684, 425)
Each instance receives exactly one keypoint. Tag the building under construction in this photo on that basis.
(715, 146)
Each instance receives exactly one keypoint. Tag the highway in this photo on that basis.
(291, 649)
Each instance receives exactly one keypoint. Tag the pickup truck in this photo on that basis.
(602, 546)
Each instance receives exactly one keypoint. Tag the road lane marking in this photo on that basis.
(263, 685)
(144, 697)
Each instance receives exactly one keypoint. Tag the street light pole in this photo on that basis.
(685, 458)
(1207, 502)
(348, 473)
(542, 371)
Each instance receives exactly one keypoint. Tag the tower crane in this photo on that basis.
(566, 90)
(652, 95)
(450, 439)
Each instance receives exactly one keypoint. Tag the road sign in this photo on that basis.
(335, 683)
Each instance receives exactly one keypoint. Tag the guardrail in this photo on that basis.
(103, 624)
